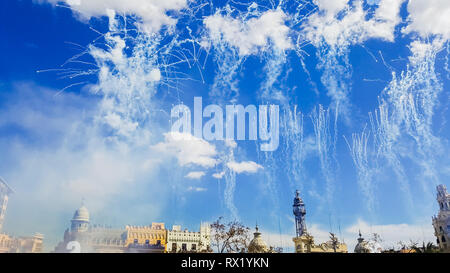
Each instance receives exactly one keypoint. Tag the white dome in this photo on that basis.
(81, 214)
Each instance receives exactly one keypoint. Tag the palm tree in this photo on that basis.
(428, 248)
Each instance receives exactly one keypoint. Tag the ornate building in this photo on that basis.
(186, 241)
(362, 246)
(257, 244)
(91, 238)
(31, 244)
(304, 242)
(441, 222)
(155, 234)
(5, 191)
(132, 239)
(10, 244)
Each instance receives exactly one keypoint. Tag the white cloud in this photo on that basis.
(278, 240)
(331, 7)
(60, 157)
(244, 167)
(391, 234)
(188, 149)
(251, 35)
(431, 17)
(196, 189)
(421, 50)
(153, 13)
(195, 175)
(122, 126)
(230, 143)
(355, 25)
(218, 175)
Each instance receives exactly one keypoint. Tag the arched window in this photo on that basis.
(443, 239)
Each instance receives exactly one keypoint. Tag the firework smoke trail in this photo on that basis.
(385, 135)
(273, 68)
(224, 89)
(225, 83)
(126, 94)
(291, 125)
(334, 28)
(227, 57)
(358, 150)
(293, 141)
(229, 29)
(413, 97)
(230, 179)
(324, 142)
(130, 65)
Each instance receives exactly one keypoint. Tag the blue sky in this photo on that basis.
(86, 94)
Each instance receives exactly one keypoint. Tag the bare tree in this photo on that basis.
(377, 238)
(334, 241)
(230, 237)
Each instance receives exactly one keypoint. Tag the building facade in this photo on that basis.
(304, 242)
(153, 238)
(188, 241)
(441, 222)
(155, 234)
(31, 244)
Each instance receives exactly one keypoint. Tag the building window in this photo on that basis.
(443, 239)
(158, 242)
(147, 242)
(135, 241)
(194, 247)
(184, 247)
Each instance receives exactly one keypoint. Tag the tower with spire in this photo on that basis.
(362, 245)
(299, 213)
(304, 242)
(5, 191)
